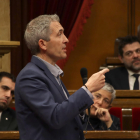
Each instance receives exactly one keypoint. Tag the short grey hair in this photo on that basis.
(110, 89)
(39, 28)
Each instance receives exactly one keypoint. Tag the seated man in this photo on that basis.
(126, 78)
(7, 115)
(100, 118)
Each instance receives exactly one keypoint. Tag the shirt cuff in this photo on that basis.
(88, 92)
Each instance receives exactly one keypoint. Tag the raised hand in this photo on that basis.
(104, 115)
(96, 81)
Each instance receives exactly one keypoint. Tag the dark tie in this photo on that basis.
(136, 84)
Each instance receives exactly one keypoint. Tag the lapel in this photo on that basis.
(42, 66)
(6, 119)
(65, 89)
(124, 79)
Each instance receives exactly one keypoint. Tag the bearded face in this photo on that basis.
(131, 57)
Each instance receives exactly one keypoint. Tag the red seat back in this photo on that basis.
(135, 118)
(13, 108)
(117, 111)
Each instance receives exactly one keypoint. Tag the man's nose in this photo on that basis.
(8, 94)
(66, 39)
(135, 54)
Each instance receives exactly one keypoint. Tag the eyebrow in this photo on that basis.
(132, 50)
(107, 99)
(98, 93)
(61, 30)
(5, 86)
(101, 95)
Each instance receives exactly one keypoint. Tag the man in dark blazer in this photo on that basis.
(7, 115)
(43, 105)
(123, 78)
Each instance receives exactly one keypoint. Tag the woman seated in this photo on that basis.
(100, 118)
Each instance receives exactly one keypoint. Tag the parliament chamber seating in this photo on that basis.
(135, 118)
(90, 135)
(117, 111)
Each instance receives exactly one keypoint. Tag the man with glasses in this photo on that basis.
(100, 118)
(127, 77)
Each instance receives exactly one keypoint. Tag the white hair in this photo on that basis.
(38, 28)
(110, 89)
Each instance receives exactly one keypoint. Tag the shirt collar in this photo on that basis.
(54, 69)
(131, 72)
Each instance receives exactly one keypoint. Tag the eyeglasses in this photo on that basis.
(105, 101)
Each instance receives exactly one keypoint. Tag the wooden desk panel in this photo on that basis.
(120, 93)
(127, 93)
(114, 135)
(126, 103)
(94, 135)
(9, 135)
(113, 60)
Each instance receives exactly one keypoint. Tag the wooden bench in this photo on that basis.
(112, 135)
(9, 135)
(113, 61)
(89, 135)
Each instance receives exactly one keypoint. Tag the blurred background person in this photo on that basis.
(127, 77)
(100, 118)
(7, 115)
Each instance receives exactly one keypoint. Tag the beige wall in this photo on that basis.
(108, 20)
(5, 31)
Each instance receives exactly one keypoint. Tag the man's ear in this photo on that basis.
(42, 44)
(121, 59)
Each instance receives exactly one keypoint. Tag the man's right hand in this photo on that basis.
(96, 81)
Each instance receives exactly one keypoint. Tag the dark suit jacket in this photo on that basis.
(8, 120)
(43, 112)
(118, 78)
(99, 125)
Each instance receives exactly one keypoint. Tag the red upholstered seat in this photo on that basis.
(13, 108)
(135, 118)
(117, 111)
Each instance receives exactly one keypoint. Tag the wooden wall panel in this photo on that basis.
(137, 15)
(5, 33)
(18, 12)
(108, 20)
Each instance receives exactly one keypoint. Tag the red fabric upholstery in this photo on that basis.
(135, 118)
(117, 111)
(13, 108)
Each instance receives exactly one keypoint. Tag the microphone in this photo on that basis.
(84, 76)
(83, 73)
